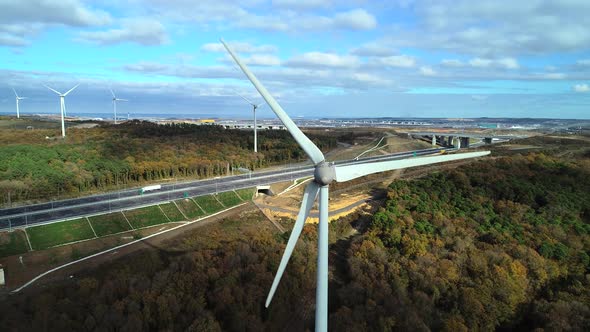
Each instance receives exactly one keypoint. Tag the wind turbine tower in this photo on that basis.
(254, 107)
(324, 174)
(18, 99)
(115, 100)
(62, 106)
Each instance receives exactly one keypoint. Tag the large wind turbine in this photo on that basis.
(324, 174)
(115, 100)
(18, 99)
(62, 106)
(254, 107)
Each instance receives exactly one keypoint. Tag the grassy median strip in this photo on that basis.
(13, 243)
(50, 235)
(189, 208)
(209, 203)
(147, 216)
(106, 224)
(229, 198)
(172, 212)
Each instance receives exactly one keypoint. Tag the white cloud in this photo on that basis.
(240, 47)
(583, 63)
(400, 61)
(22, 20)
(554, 76)
(452, 63)
(141, 31)
(506, 63)
(427, 71)
(66, 12)
(371, 79)
(260, 60)
(319, 59)
(301, 4)
(489, 28)
(356, 19)
(372, 50)
(582, 87)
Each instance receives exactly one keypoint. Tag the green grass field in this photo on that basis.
(246, 194)
(208, 203)
(172, 212)
(13, 243)
(144, 217)
(229, 198)
(46, 236)
(189, 208)
(111, 223)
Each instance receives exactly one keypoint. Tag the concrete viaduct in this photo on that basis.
(458, 140)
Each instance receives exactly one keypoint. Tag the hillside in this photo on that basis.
(502, 243)
(111, 157)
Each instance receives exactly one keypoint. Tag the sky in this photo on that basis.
(319, 58)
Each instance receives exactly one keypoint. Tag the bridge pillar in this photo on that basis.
(450, 141)
(465, 142)
(433, 140)
(459, 140)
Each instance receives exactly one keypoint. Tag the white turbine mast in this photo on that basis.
(254, 107)
(324, 174)
(115, 100)
(18, 99)
(62, 106)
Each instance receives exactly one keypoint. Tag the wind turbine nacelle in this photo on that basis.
(324, 173)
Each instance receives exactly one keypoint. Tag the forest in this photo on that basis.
(129, 154)
(498, 244)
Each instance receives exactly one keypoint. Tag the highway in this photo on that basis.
(25, 216)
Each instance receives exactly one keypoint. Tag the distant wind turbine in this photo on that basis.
(18, 99)
(115, 100)
(324, 174)
(254, 107)
(62, 106)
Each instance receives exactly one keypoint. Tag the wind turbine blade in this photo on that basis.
(309, 196)
(59, 93)
(350, 172)
(72, 89)
(312, 151)
(113, 94)
(15, 92)
(118, 99)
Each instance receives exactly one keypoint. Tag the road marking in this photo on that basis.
(96, 236)
(124, 216)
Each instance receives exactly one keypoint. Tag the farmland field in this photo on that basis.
(12, 243)
(172, 212)
(111, 223)
(208, 203)
(46, 236)
(144, 217)
(189, 208)
(229, 198)
(246, 194)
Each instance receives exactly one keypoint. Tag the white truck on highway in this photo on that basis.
(150, 188)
